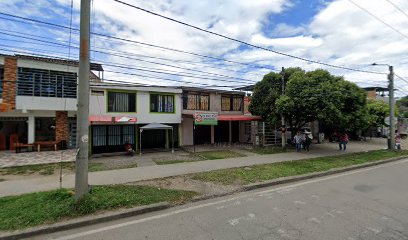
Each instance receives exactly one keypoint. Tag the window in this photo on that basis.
(121, 102)
(196, 101)
(231, 103)
(161, 103)
(46, 83)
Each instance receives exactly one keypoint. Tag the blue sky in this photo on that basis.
(336, 32)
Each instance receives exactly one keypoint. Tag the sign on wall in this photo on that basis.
(205, 118)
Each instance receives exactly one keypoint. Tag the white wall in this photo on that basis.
(98, 106)
(46, 66)
(46, 103)
(187, 131)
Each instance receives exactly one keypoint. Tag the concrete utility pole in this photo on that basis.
(283, 118)
(391, 99)
(81, 165)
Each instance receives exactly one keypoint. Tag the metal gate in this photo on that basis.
(72, 132)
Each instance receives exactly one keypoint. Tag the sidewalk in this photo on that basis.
(158, 171)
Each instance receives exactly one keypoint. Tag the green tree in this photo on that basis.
(402, 106)
(309, 96)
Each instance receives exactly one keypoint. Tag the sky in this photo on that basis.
(347, 33)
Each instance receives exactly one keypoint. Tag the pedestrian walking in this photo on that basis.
(298, 140)
(307, 142)
(398, 141)
(343, 141)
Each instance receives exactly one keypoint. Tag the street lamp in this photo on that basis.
(391, 102)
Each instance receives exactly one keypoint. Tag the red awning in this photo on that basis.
(238, 118)
(101, 119)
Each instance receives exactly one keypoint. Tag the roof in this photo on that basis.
(375, 88)
(246, 88)
(211, 90)
(94, 66)
(156, 126)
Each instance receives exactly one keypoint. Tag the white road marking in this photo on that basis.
(375, 231)
(299, 202)
(120, 225)
(315, 220)
(235, 221)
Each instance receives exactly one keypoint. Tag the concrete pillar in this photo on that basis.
(230, 131)
(31, 129)
(212, 134)
(167, 139)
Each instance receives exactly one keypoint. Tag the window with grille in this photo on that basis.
(196, 101)
(121, 101)
(46, 83)
(232, 103)
(161, 103)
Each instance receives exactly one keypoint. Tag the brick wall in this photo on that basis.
(10, 81)
(61, 126)
(372, 94)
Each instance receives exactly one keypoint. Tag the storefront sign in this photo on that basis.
(206, 118)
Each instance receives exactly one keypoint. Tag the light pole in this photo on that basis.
(391, 102)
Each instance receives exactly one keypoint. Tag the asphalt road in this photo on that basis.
(364, 204)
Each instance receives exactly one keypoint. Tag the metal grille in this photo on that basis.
(72, 126)
(46, 83)
(128, 135)
(114, 136)
(99, 136)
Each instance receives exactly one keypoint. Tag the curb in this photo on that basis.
(105, 217)
(285, 180)
(85, 221)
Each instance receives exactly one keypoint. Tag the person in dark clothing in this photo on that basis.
(307, 142)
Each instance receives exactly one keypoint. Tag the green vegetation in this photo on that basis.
(51, 168)
(28, 210)
(219, 154)
(201, 156)
(175, 161)
(268, 150)
(258, 173)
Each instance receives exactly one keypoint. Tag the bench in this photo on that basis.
(19, 146)
(46, 144)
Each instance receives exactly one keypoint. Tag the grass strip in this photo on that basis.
(28, 210)
(268, 150)
(219, 154)
(259, 173)
(201, 156)
(51, 168)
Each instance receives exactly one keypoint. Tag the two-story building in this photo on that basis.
(233, 120)
(38, 99)
(118, 111)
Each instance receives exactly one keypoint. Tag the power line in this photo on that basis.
(397, 7)
(242, 42)
(140, 69)
(134, 42)
(122, 56)
(379, 19)
(127, 53)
